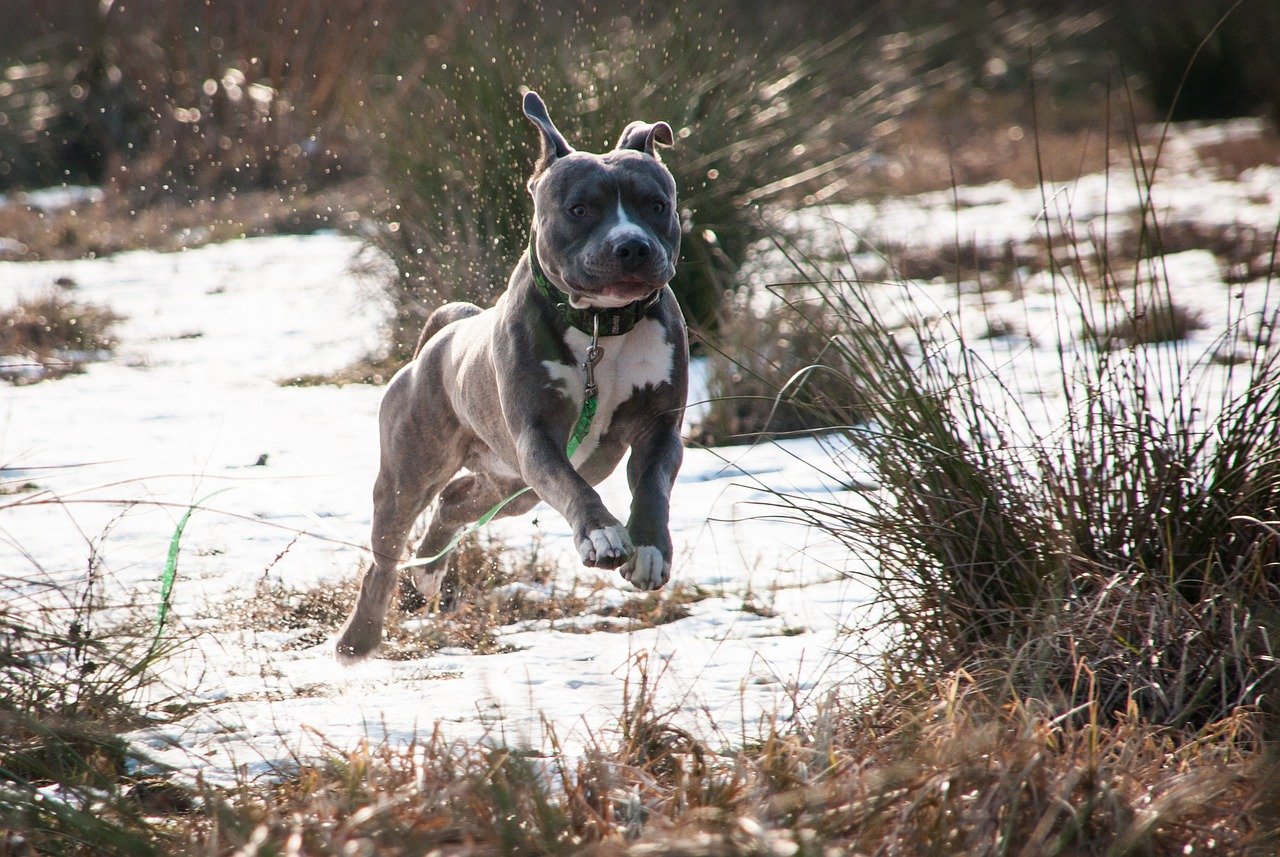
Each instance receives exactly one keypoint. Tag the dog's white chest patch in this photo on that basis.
(638, 359)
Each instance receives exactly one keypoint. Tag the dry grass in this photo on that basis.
(52, 336)
(954, 763)
(958, 774)
(1234, 245)
(989, 265)
(371, 369)
(1157, 322)
(70, 683)
(113, 224)
(939, 770)
(972, 137)
(489, 588)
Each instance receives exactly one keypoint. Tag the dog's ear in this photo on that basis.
(642, 136)
(553, 143)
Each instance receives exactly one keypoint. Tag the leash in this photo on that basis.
(576, 437)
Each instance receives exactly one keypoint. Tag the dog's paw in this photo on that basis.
(427, 583)
(647, 568)
(357, 642)
(607, 547)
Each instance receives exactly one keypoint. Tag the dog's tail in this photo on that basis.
(443, 315)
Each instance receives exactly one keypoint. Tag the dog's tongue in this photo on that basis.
(631, 289)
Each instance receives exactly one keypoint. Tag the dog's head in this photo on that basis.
(606, 229)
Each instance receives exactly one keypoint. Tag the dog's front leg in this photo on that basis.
(601, 539)
(651, 472)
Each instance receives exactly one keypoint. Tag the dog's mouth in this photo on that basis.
(615, 294)
(626, 290)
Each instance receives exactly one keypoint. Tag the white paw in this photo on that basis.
(647, 569)
(607, 547)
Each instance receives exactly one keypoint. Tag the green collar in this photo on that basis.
(613, 322)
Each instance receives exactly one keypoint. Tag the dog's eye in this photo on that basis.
(658, 207)
(578, 210)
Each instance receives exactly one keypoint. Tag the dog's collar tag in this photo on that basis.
(592, 321)
(594, 353)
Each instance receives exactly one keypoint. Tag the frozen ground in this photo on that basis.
(191, 402)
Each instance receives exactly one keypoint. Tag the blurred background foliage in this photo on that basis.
(168, 102)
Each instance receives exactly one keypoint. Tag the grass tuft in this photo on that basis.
(1122, 555)
(71, 681)
(52, 336)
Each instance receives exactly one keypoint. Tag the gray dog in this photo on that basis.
(586, 322)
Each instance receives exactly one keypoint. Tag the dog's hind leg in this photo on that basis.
(398, 499)
(463, 501)
(419, 453)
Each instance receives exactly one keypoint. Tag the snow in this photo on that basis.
(51, 199)
(999, 214)
(191, 401)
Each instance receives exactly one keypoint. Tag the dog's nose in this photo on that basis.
(631, 252)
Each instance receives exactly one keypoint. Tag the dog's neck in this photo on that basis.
(613, 321)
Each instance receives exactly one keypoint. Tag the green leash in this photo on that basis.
(579, 434)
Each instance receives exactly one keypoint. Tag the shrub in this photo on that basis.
(1201, 60)
(1127, 552)
(455, 151)
(188, 98)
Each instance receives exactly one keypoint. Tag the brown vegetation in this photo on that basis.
(490, 588)
(942, 769)
(113, 225)
(52, 336)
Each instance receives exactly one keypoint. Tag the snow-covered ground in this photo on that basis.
(189, 404)
(1021, 314)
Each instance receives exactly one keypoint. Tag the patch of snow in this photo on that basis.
(56, 198)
